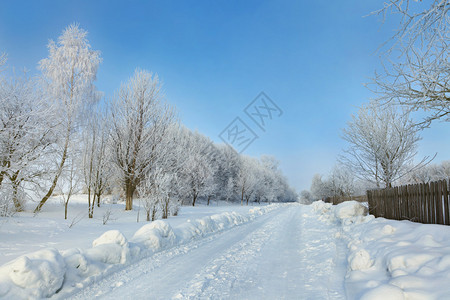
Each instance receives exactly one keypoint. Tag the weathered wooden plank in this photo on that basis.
(428, 203)
(439, 204)
(445, 199)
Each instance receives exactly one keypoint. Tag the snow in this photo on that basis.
(291, 251)
(287, 253)
(390, 259)
(44, 273)
(40, 273)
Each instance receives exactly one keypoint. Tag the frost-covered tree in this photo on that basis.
(341, 182)
(96, 163)
(382, 144)
(444, 169)
(140, 121)
(3, 58)
(68, 76)
(198, 171)
(162, 189)
(154, 193)
(306, 197)
(431, 172)
(320, 188)
(227, 171)
(25, 136)
(417, 58)
(246, 179)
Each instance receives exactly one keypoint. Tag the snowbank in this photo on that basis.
(43, 273)
(390, 259)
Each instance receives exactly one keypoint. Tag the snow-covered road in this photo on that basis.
(285, 254)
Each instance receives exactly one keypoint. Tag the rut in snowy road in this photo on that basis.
(286, 254)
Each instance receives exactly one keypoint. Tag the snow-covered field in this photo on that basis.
(288, 251)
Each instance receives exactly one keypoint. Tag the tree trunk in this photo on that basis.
(148, 215)
(154, 213)
(58, 173)
(242, 197)
(194, 199)
(129, 191)
(17, 204)
(15, 184)
(166, 209)
(66, 204)
(209, 197)
(91, 208)
(89, 201)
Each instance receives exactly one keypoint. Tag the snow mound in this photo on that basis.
(155, 236)
(349, 212)
(110, 237)
(321, 207)
(385, 292)
(43, 273)
(388, 229)
(33, 276)
(360, 260)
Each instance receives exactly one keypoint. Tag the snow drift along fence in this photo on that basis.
(426, 203)
(335, 200)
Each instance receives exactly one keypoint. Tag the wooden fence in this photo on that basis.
(425, 202)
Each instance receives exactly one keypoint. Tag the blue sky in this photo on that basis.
(214, 57)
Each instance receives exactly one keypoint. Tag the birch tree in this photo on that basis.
(68, 76)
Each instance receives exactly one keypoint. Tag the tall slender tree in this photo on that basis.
(69, 74)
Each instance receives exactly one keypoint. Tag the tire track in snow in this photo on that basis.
(159, 276)
(287, 254)
(293, 256)
(230, 271)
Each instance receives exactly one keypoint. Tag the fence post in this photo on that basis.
(422, 204)
(439, 206)
(445, 199)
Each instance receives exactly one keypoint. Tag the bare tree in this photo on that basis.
(417, 60)
(382, 144)
(69, 73)
(140, 121)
